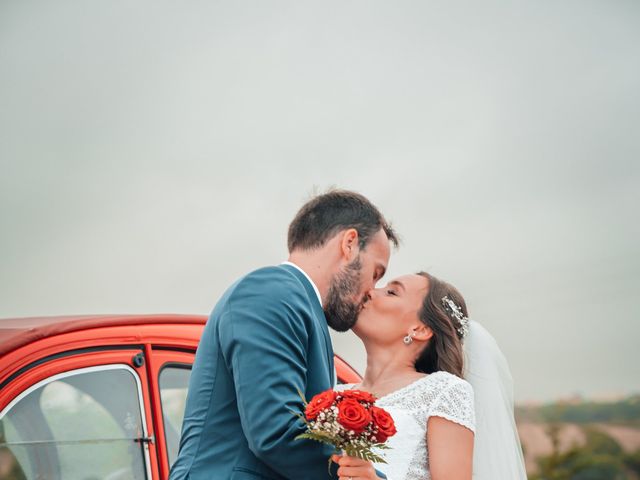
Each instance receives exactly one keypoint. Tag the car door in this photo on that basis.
(79, 415)
(169, 372)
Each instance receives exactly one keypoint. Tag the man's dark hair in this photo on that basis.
(327, 214)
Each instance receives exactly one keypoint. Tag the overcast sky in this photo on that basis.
(153, 152)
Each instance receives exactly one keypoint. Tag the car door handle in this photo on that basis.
(150, 439)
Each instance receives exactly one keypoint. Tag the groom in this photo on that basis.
(267, 337)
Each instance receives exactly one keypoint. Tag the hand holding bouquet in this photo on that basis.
(349, 421)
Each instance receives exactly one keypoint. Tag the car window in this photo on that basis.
(174, 382)
(85, 425)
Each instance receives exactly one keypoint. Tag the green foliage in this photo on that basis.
(601, 458)
(599, 443)
(632, 462)
(304, 400)
(365, 454)
(319, 437)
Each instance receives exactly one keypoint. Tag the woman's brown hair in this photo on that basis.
(443, 351)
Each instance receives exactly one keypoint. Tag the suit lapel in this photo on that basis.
(318, 314)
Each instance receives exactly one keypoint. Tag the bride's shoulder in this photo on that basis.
(454, 400)
(446, 378)
(445, 381)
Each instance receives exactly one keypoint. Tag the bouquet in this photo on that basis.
(349, 421)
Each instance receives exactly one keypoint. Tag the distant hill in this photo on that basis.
(622, 412)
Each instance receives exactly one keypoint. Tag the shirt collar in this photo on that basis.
(308, 278)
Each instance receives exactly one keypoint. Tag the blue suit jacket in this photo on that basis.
(266, 337)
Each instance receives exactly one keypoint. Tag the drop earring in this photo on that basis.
(408, 339)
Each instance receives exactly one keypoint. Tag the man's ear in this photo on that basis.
(350, 246)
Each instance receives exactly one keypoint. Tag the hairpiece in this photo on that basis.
(456, 311)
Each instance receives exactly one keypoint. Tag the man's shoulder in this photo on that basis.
(273, 291)
(270, 282)
(264, 275)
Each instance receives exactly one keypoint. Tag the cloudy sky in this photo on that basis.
(153, 152)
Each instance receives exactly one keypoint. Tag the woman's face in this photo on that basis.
(392, 311)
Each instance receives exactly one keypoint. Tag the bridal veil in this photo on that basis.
(497, 451)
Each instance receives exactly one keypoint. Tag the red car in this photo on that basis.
(96, 397)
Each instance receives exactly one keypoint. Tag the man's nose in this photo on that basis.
(374, 292)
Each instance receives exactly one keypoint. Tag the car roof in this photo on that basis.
(16, 332)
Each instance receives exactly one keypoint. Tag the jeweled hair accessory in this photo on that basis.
(456, 311)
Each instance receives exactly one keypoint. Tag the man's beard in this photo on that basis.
(340, 308)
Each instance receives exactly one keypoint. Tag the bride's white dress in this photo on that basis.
(439, 394)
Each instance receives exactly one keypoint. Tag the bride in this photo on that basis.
(420, 345)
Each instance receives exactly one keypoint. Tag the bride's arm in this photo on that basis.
(450, 448)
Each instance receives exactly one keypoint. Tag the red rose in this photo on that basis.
(319, 402)
(359, 395)
(353, 416)
(384, 422)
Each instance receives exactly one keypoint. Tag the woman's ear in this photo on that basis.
(350, 246)
(421, 333)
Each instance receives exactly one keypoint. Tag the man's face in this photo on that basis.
(350, 286)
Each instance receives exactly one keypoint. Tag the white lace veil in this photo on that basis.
(497, 451)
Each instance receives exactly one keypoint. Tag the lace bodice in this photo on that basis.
(440, 394)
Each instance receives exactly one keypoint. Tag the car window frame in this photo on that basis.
(94, 368)
(170, 364)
